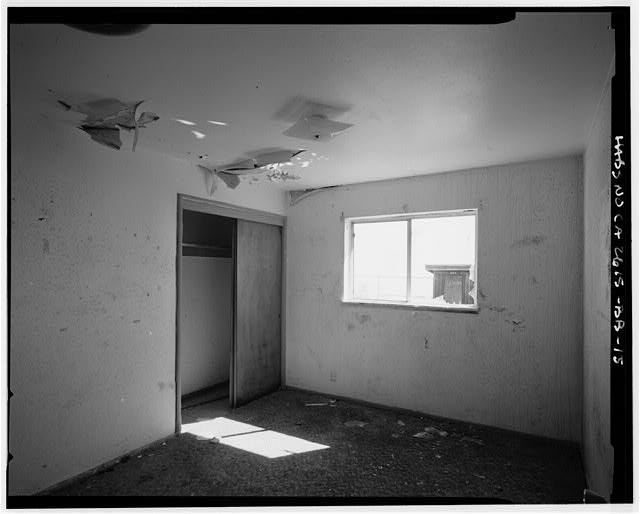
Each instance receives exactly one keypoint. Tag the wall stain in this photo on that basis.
(528, 241)
(363, 318)
(518, 324)
(497, 309)
(136, 321)
(45, 246)
(350, 326)
(64, 329)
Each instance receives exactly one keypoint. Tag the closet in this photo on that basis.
(229, 303)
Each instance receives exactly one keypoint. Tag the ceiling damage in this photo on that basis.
(269, 163)
(105, 117)
(416, 99)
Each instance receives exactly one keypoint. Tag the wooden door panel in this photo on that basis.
(258, 299)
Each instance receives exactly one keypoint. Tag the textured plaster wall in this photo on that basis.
(517, 364)
(92, 299)
(206, 325)
(596, 428)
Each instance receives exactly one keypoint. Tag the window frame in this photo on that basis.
(347, 275)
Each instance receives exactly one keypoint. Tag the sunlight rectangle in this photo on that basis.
(218, 427)
(271, 444)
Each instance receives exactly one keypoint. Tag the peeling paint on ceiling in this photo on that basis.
(422, 99)
(106, 116)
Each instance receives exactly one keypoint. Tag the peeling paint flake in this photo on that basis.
(106, 136)
(185, 122)
(105, 118)
(229, 179)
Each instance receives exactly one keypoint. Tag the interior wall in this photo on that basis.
(516, 364)
(206, 323)
(92, 290)
(597, 449)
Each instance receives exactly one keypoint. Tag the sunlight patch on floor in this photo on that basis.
(218, 427)
(271, 444)
(250, 438)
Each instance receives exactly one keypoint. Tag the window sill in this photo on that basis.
(473, 309)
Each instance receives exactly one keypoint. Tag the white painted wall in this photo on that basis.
(92, 298)
(477, 367)
(596, 428)
(206, 327)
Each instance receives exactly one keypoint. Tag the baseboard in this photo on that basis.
(562, 442)
(100, 467)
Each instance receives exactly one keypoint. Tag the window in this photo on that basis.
(420, 259)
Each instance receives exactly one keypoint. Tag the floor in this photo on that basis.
(206, 404)
(341, 449)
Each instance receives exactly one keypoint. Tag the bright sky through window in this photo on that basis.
(442, 263)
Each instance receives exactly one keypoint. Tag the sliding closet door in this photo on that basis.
(258, 300)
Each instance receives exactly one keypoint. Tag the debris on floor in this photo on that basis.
(401, 423)
(472, 440)
(423, 435)
(354, 423)
(516, 468)
(434, 430)
(330, 403)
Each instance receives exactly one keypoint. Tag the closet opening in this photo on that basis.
(206, 289)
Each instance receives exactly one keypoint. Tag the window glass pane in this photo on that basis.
(443, 260)
(380, 261)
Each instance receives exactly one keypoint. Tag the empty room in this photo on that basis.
(267, 257)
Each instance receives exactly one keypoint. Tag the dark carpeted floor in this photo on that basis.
(371, 452)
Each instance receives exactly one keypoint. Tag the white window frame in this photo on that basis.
(348, 285)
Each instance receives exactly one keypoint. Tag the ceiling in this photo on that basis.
(422, 99)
